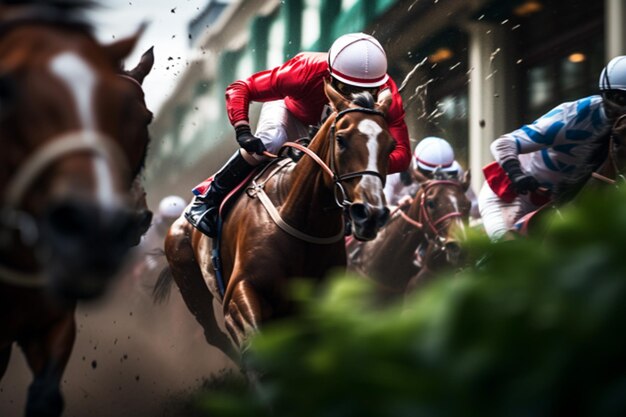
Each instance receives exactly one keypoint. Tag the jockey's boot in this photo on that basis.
(203, 211)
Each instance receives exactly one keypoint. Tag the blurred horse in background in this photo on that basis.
(73, 134)
(288, 224)
(422, 238)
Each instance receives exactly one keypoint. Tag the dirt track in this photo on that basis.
(131, 358)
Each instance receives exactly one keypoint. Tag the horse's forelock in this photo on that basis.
(364, 99)
(67, 13)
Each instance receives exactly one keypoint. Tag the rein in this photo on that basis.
(423, 216)
(330, 167)
(256, 190)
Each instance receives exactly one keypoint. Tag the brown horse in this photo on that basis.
(290, 223)
(73, 134)
(434, 221)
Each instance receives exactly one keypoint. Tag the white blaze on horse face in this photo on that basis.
(81, 80)
(372, 129)
(458, 221)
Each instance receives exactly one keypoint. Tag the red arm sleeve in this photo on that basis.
(400, 158)
(288, 79)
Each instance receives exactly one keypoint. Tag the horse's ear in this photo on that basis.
(385, 98)
(144, 67)
(119, 50)
(467, 179)
(337, 101)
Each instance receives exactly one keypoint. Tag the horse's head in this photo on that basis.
(74, 135)
(443, 210)
(359, 157)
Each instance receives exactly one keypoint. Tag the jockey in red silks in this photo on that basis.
(294, 98)
(551, 154)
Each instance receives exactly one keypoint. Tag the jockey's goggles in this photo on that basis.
(347, 90)
(615, 96)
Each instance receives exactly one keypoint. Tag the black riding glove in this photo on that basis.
(522, 182)
(248, 141)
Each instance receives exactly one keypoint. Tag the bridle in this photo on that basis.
(330, 168)
(256, 189)
(424, 222)
(611, 159)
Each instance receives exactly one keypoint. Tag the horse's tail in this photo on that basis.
(162, 288)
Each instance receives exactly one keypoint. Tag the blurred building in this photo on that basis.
(471, 69)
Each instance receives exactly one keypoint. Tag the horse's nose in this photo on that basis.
(454, 252)
(362, 213)
(74, 220)
(83, 245)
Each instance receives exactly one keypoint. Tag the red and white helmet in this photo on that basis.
(358, 59)
(432, 152)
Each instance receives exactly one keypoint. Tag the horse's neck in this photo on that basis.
(310, 200)
(396, 243)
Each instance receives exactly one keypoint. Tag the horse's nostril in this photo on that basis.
(384, 217)
(68, 219)
(358, 212)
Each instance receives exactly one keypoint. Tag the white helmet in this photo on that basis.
(613, 76)
(433, 152)
(358, 59)
(172, 206)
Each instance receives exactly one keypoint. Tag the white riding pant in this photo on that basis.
(276, 126)
(498, 216)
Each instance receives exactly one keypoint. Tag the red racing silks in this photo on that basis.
(501, 185)
(499, 182)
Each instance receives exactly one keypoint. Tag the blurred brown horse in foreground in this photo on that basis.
(73, 134)
(431, 227)
(290, 223)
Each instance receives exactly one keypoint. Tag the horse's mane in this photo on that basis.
(68, 13)
(597, 151)
(68, 5)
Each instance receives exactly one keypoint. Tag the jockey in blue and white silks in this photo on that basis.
(548, 152)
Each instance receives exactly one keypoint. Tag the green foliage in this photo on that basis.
(534, 329)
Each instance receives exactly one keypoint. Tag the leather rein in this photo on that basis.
(257, 189)
(424, 217)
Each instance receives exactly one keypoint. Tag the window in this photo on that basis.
(275, 55)
(310, 23)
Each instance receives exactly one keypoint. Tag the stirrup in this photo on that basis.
(202, 217)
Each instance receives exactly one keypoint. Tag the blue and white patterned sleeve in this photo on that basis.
(570, 122)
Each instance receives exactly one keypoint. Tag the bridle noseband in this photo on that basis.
(424, 218)
(338, 179)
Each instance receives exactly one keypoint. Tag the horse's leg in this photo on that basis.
(243, 313)
(47, 354)
(5, 355)
(188, 277)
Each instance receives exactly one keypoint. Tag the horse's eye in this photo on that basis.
(341, 142)
(430, 204)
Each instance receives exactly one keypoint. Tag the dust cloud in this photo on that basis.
(131, 358)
